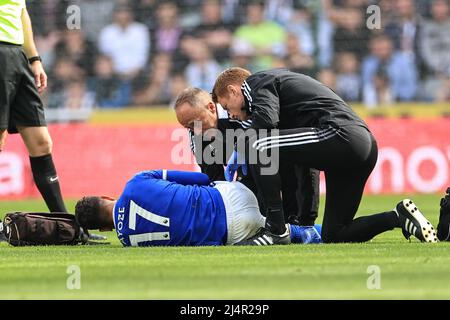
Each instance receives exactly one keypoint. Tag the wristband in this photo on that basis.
(33, 59)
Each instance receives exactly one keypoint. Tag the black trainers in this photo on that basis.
(265, 238)
(414, 223)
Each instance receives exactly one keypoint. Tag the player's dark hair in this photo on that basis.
(87, 213)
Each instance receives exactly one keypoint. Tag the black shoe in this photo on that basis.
(443, 229)
(414, 223)
(265, 238)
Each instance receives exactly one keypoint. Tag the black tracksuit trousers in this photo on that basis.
(347, 155)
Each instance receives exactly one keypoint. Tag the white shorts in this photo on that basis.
(241, 206)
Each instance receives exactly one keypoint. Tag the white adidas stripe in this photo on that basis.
(300, 141)
(192, 141)
(257, 242)
(321, 135)
(246, 88)
(246, 85)
(313, 131)
(268, 239)
(248, 98)
(410, 227)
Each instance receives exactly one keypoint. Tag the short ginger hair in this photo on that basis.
(231, 76)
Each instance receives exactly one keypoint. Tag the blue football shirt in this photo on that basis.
(170, 208)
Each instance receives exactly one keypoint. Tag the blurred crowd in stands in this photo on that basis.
(144, 52)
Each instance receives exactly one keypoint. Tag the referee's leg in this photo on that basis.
(39, 145)
(37, 140)
(27, 117)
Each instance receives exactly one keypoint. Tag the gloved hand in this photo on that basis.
(236, 161)
(310, 235)
(306, 234)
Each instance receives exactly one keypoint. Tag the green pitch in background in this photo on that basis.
(389, 267)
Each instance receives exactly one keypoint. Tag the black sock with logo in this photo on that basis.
(46, 179)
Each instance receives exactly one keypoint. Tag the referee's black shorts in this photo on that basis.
(20, 104)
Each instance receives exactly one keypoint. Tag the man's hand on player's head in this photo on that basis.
(40, 77)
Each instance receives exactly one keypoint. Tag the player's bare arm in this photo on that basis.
(40, 77)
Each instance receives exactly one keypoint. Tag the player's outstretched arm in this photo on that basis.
(182, 177)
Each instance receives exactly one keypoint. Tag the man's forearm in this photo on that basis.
(29, 45)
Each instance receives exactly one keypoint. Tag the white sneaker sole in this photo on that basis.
(426, 228)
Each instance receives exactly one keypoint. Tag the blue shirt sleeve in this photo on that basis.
(182, 177)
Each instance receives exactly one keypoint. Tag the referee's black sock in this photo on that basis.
(46, 179)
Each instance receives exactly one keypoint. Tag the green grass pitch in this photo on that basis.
(407, 270)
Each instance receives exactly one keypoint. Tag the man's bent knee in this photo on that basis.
(331, 236)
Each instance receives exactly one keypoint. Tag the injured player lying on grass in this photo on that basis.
(174, 208)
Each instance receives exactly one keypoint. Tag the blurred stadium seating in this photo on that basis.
(117, 76)
(143, 52)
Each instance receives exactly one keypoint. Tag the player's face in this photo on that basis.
(234, 103)
(106, 209)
